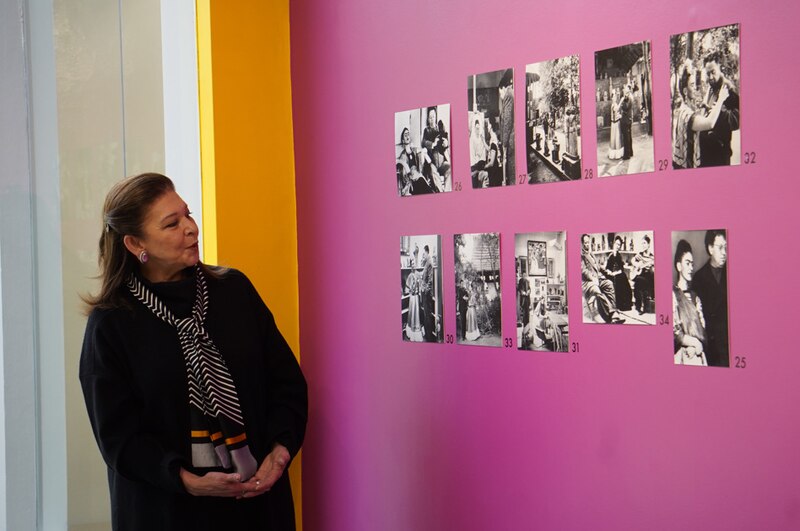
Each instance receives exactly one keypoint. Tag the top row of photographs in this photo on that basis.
(704, 90)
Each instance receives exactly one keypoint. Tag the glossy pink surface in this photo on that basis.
(444, 437)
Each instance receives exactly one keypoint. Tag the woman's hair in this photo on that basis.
(618, 239)
(683, 248)
(685, 77)
(124, 212)
(402, 133)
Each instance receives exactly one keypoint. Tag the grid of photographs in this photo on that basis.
(700, 297)
(618, 278)
(553, 120)
(541, 267)
(477, 267)
(704, 85)
(422, 151)
(421, 288)
(623, 84)
(617, 269)
(490, 97)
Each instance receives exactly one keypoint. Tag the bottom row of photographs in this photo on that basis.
(617, 287)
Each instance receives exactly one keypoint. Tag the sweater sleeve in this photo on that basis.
(115, 414)
(287, 389)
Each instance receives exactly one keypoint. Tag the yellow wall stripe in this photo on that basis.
(207, 156)
(247, 156)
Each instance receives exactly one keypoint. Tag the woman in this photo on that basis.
(195, 399)
(414, 322)
(687, 122)
(473, 332)
(615, 142)
(408, 166)
(615, 270)
(477, 156)
(493, 169)
(687, 312)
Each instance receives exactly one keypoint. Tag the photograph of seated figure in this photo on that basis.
(422, 151)
(618, 278)
(490, 98)
(541, 267)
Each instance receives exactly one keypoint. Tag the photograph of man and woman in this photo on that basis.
(477, 265)
(704, 86)
(422, 151)
(700, 297)
(421, 288)
(623, 97)
(541, 267)
(553, 120)
(618, 278)
(490, 97)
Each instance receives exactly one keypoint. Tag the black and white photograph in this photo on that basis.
(700, 298)
(477, 265)
(553, 120)
(537, 258)
(704, 85)
(542, 322)
(623, 84)
(490, 97)
(422, 151)
(421, 288)
(618, 278)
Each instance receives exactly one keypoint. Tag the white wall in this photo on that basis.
(16, 266)
(127, 104)
(81, 99)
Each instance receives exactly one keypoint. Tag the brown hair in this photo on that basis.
(124, 211)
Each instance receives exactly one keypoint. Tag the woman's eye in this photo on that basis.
(173, 224)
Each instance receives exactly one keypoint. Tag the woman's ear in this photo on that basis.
(133, 244)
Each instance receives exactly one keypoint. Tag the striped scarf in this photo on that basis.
(217, 427)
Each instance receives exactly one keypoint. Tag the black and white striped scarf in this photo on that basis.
(217, 427)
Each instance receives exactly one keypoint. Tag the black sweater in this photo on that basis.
(134, 382)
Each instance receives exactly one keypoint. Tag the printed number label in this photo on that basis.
(663, 319)
(576, 347)
(750, 157)
(508, 342)
(521, 178)
(588, 173)
(449, 338)
(457, 187)
(741, 362)
(663, 164)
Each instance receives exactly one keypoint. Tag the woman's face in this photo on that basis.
(406, 139)
(691, 95)
(686, 267)
(170, 238)
(617, 245)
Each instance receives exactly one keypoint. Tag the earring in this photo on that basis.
(143, 256)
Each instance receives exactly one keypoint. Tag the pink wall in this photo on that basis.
(431, 437)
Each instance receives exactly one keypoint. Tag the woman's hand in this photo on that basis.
(213, 484)
(268, 473)
(693, 343)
